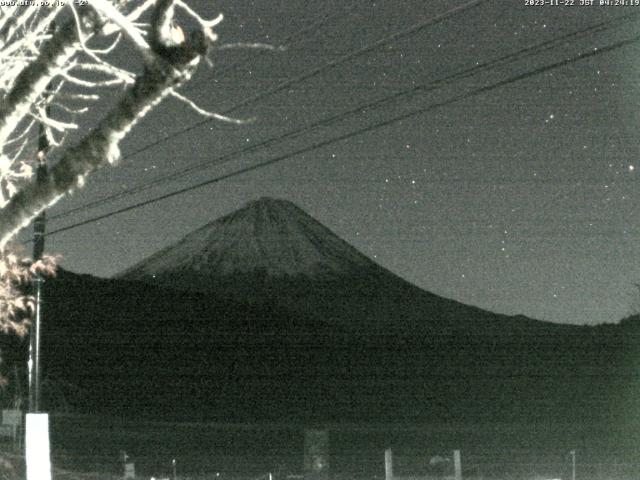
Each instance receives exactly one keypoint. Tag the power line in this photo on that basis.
(316, 71)
(288, 41)
(309, 74)
(323, 143)
(423, 88)
(308, 29)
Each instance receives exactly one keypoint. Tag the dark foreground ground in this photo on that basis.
(92, 447)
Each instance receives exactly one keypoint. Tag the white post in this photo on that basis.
(457, 464)
(388, 464)
(129, 471)
(37, 447)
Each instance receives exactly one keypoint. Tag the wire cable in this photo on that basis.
(323, 143)
(305, 30)
(423, 88)
(289, 40)
(318, 70)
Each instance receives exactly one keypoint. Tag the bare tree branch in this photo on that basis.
(48, 77)
(167, 65)
(33, 80)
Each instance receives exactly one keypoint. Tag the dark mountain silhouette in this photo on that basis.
(267, 315)
(268, 235)
(272, 250)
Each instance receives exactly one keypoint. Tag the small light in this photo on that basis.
(631, 168)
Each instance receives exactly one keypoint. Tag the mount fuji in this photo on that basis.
(271, 250)
(268, 235)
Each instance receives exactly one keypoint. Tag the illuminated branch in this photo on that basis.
(169, 60)
(32, 81)
(48, 75)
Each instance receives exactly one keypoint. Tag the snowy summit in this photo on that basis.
(270, 236)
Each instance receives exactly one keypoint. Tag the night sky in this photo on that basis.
(520, 199)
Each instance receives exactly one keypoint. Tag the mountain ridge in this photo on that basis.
(267, 234)
(351, 343)
(244, 255)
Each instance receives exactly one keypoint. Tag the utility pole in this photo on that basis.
(573, 464)
(457, 465)
(38, 249)
(388, 464)
(39, 225)
(37, 447)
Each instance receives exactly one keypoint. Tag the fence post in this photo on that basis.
(316, 454)
(457, 464)
(388, 464)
